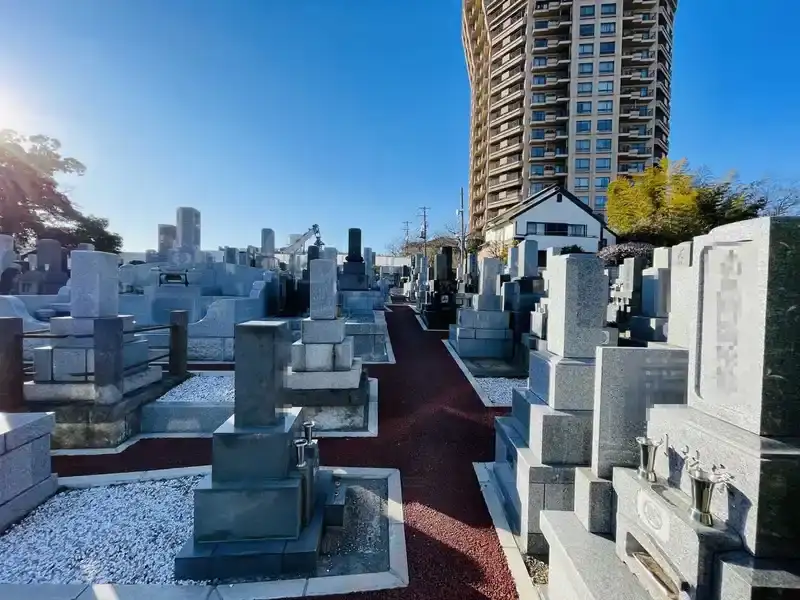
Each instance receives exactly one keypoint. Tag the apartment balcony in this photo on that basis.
(628, 169)
(506, 96)
(634, 37)
(553, 43)
(510, 25)
(548, 153)
(503, 183)
(549, 64)
(506, 113)
(637, 18)
(662, 142)
(498, 13)
(663, 123)
(552, 80)
(507, 163)
(508, 78)
(637, 93)
(541, 9)
(505, 130)
(663, 104)
(556, 134)
(549, 171)
(498, 201)
(509, 60)
(509, 148)
(635, 112)
(631, 150)
(642, 57)
(638, 74)
(644, 3)
(636, 133)
(550, 99)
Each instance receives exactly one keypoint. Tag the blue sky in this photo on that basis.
(347, 113)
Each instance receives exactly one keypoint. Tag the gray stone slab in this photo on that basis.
(563, 383)
(184, 417)
(23, 467)
(743, 354)
(262, 353)
(297, 380)
(483, 319)
(743, 577)
(105, 591)
(343, 355)
(583, 565)
(484, 348)
(329, 331)
(322, 275)
(578, 293)
(41, 591)
(17, 429)
(487, 302)
(528, 258)
(20, 505)
(628, 381)
(594, 503)
(683, 295)
(94, 284)
(493, 334)
(489, 268)
(270, 511)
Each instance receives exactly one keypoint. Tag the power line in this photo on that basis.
(424, 231)
(406, 226)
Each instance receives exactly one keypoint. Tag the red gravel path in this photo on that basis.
(432, 427)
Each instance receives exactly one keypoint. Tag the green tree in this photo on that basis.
(87, 229)
(32, 203)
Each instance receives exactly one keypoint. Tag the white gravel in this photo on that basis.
(123, 534)
(498, 389)
(207, 389)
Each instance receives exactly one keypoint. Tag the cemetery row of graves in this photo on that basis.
(562, 430)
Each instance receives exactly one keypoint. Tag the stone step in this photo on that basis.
(584, 566)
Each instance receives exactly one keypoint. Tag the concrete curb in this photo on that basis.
(526, 590)
(425, 327)
(396, 577)
(470, 377)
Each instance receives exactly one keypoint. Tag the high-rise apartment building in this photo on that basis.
(188, 225)
(167, 235)
(574, 92)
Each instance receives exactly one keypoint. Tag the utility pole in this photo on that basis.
(463, 239)
(406, 225)
(424, 231)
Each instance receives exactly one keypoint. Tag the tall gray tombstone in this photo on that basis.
(49, 256)
(94, 284)
(268, 242)
(323, 289)
(489, 269)
(528, 258)
(512, 262)
(7, 254)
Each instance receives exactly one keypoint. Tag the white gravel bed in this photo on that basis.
(498, 389)
(122, 534)
(207, 389)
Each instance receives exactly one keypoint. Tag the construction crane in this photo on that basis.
(299, 244)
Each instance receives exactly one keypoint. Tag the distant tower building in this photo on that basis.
(167, 235)
(188, 229)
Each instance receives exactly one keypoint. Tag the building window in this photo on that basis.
(537, 151)
(602, 164)
(541, 24)
(581, 183)
(600, 201)
(537, 169)
(537, 187)
(540, 61)
(607, 28)
(605, 125)
(538, 98)
(587, 11)
(608, 47)
(586, 49)
(584, 108)
(582, 164)
(539, 79)
(608, 10)
(540, 43)
(537, 134)
(603, 145)
(584, 199)
(583, 126)
(585, 68)
(605, 87)
(538, 115)
(605, 106)
(606, 67)
(587, 30)
(585, 87)
(601, 183)
(583, 146)
(559, 229)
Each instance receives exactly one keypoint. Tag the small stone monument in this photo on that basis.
(482, 331)
(323, 370)
(354, 276)
(549, 431)
(262, 511)
(94, 358)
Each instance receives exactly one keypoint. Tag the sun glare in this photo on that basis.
(12, 114)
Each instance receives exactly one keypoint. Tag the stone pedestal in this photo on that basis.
(25, 477)
(94, 373)
(323, 369)
(261, 512)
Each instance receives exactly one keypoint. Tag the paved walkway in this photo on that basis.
(432, 427)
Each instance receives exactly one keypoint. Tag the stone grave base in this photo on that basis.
(438, 319)
(482, 343)
(84, 422)
(224, 561)
(357, 396)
